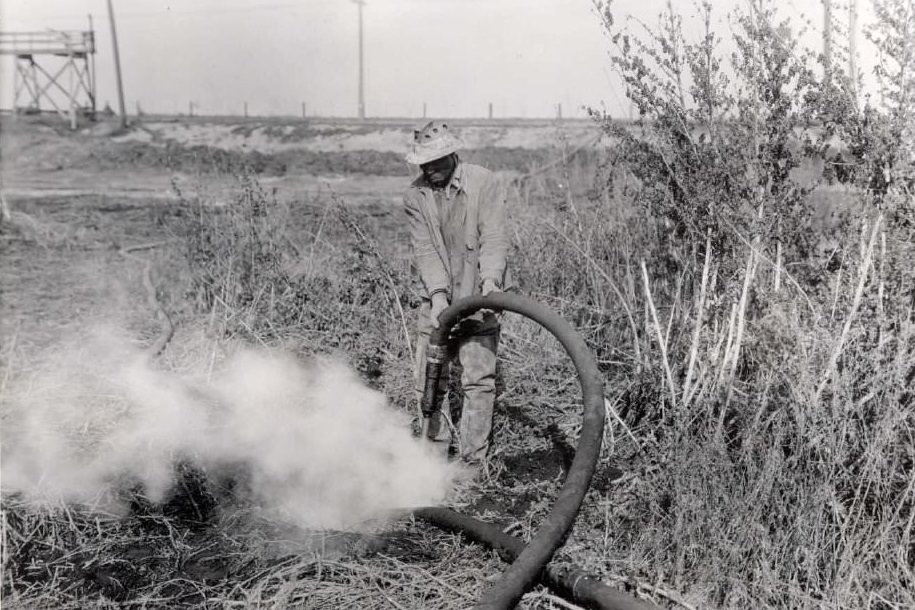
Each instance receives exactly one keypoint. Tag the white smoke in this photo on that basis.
(319, 448)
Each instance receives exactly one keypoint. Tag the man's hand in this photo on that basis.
(489, 286)
(439, 304)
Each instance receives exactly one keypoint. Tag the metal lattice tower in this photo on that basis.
(53, 68)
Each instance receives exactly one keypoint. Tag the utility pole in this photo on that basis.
(827, 38)
(360, 4)
(94, 73)
(853, 48)
(117, 66)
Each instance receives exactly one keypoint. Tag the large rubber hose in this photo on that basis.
(571, 583)
(523, 573)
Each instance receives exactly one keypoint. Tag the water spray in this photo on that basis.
(529, 561)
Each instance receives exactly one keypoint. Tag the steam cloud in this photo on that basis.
(320, 448)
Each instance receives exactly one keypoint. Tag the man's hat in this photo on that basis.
(432, 142)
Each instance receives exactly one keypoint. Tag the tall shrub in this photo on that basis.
(767, 315)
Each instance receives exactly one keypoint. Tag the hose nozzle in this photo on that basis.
(424, 429)
(432, 396)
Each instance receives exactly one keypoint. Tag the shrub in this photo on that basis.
(755, 322)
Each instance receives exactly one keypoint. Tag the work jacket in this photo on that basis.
(458, 233)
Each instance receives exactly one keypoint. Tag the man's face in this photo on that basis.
(439, 171)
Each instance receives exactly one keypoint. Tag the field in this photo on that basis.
(758, 449)
(91, 212)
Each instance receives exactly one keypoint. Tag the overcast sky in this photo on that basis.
(457, 56)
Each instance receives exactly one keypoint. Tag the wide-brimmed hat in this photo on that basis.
(432, 142)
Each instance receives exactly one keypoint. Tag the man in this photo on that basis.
(456, 214)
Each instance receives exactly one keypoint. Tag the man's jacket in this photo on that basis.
(459, 234)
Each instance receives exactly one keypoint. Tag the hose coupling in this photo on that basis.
(436, 353)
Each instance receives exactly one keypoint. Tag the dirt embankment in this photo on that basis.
(270, 147)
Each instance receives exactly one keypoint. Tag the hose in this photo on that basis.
(572, 583)
(168, 328)
(529, 563)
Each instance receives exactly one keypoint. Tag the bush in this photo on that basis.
(759, 347)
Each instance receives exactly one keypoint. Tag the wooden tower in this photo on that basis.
(54, 71)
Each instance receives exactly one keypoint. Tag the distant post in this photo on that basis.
(246, 110)
(117, 65)
(303, 110)
(490, 111)
(5, 215)
(424, 109)
(559, 111)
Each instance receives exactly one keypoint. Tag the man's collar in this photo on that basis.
(457, 178)
(455, 184)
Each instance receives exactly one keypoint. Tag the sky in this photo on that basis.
(524, 57)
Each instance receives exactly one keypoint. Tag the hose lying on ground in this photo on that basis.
(168, 328)
(569, 582)
(530, 561)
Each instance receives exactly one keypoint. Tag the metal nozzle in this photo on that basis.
(431, 395)
(431, 399)
(424, 429)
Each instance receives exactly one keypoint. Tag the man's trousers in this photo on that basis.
(475, 343)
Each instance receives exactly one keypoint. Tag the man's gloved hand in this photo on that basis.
(439, 304)
(490, 285)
